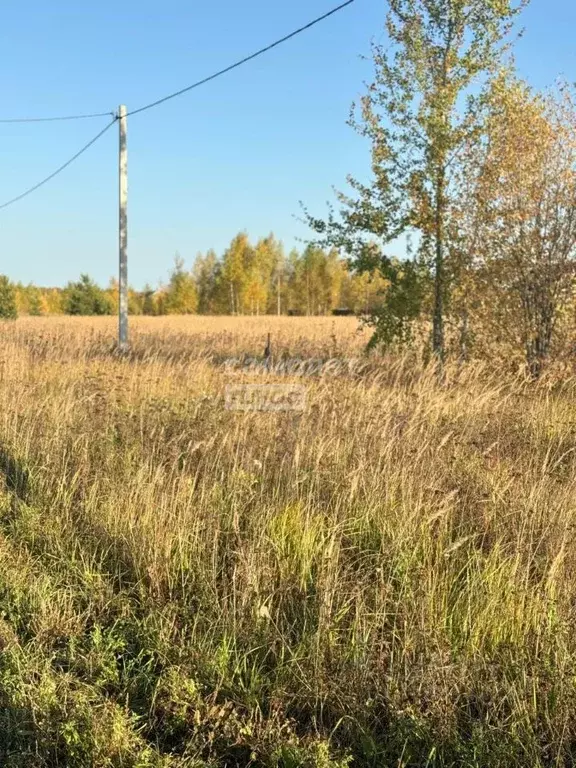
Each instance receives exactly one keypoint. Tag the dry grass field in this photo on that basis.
(387, 578)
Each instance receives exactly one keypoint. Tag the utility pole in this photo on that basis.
(123, 234)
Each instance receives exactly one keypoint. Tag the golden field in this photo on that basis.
(387, 578)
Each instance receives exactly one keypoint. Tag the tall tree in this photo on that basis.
(273, 263)
(181, 297)
(258, 269)
(521, 218)
(308, 280)
(35, 306)
(206, 277)
(334, 272)
(234, 271)
(418, 113)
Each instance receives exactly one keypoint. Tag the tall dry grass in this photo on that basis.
(387, 579)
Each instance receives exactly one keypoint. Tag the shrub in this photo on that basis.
(8, 309)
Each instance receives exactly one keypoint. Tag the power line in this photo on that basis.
(55, 119)
(60, 169)
(242, 61)
(183, 90)
(152, 104)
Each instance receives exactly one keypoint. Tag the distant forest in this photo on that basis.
(247, 279)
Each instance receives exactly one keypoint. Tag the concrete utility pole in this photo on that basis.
(123, 234)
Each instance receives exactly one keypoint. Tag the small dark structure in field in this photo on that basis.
(268, 353)
(294, 313)
(268, 348)
(343, 312)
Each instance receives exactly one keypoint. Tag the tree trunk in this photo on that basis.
(279, 288)
(464, 336)
(539, 310)
(439, 287)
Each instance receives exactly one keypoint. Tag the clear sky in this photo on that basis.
(238, 153)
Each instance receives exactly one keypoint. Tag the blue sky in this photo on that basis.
(238, 153)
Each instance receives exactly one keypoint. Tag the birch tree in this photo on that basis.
(418, 113)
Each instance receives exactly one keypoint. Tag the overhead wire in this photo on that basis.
(152, 104)
(237, 64)
(245, 60)
(60, 169)
(54, 119)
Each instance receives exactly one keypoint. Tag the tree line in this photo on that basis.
(247, 279)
